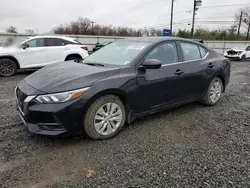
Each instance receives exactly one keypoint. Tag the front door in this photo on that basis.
(160, 87)
(34, 55)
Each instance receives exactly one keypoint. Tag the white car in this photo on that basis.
(39, 51)
(239, 52)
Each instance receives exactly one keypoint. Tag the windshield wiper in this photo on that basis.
(95, 64)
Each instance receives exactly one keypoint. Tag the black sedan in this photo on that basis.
(118, 83)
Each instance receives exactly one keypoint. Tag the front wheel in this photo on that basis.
(105, 118)
(7, 67)
(214, 92)
(243, 58)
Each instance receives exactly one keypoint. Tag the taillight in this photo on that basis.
(229, 62)
(85, 48)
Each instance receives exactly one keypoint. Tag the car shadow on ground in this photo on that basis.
(137, 124)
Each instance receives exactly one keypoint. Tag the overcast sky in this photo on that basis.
(44, 15)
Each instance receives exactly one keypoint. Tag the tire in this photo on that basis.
(208, 98)
(7, 67)
(243, 58)
(74, 58)
(91, 124)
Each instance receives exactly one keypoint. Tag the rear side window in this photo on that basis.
(53, 42)
(203, 52)
(190, 51)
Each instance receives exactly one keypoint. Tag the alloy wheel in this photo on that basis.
(108, 118)
(6, 67)
(215, 92)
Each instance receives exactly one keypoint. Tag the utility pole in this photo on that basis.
(171, 20)
(194, 12)
(196, 4)
(92, 24)
(238, 34)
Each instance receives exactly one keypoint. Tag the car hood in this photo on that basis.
(7, 50)
(236, 50)
(66, 76)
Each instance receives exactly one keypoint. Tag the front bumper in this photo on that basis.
(50, 119)
(233, 57)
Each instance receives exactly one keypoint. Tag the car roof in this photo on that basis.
(159, 39)
(53, 36)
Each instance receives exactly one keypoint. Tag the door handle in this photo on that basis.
(179, 72)
(210, 65)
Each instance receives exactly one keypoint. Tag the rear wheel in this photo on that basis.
(7, 67)
(105, 118)
(74, 58)
(214, 92)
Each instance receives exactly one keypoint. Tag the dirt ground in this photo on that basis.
(189, 146)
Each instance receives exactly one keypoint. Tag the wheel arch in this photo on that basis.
(12, 58)
(222, 77)
(122, 96)
(73, 54)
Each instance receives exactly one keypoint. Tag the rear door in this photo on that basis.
(33, 56)
(198, 69)
(55, 50)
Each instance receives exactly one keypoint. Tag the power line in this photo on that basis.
(228, 5)
(187, 11)
(133, 8)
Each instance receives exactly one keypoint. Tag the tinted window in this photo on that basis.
(190, 51)
(166, 53)
(65, 42)
(248, 48)
(53, 42)
(36, 43)
(203, 51)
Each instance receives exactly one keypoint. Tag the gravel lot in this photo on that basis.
(189, 146)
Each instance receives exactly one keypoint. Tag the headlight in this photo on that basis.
(61, 97)
(239, 52)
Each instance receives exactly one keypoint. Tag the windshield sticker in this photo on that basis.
(135, 47)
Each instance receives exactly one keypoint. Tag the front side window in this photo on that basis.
(166, 53)
(117, 53)
(190, 51)
(36, 43)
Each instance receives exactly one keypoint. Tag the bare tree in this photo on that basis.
(30, 31)
(11, 29)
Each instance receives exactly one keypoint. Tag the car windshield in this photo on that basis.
(240, 47)
(118, 53)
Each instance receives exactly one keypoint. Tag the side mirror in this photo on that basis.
(151, 64)
(24, 46)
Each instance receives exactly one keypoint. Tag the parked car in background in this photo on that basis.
(99, 46)
(118, 83)
(238, 52)
(39, 51)
(199, 40)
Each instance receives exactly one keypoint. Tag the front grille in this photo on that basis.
(20, 98)
(232, 52)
